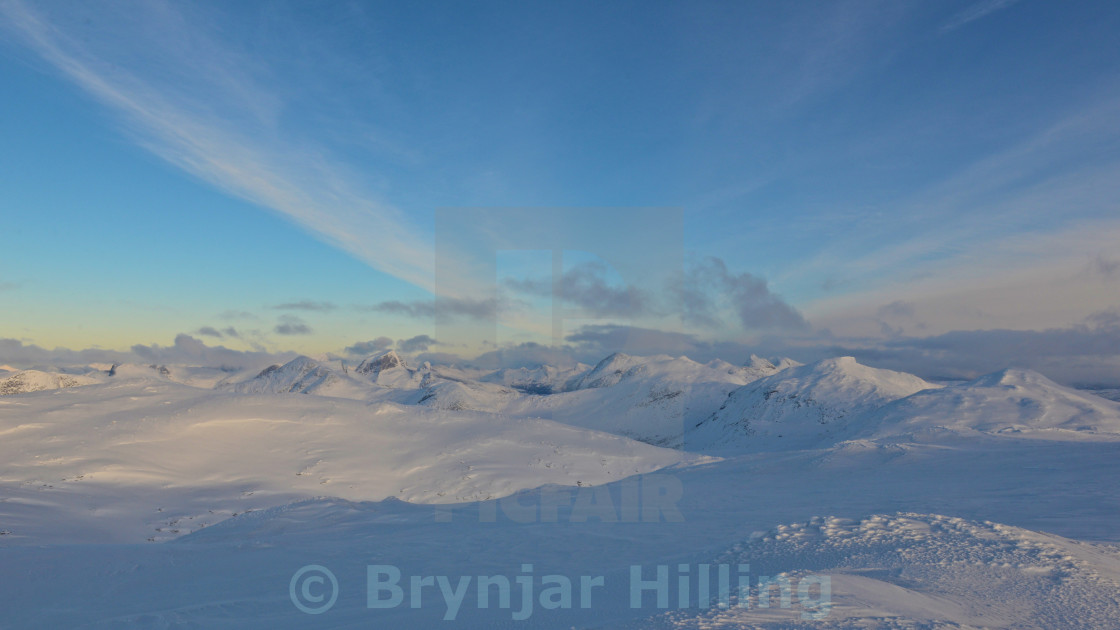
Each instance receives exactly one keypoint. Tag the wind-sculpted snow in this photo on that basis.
(911, 570)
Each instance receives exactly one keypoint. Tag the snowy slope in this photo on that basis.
(621, 368)
(919, 570)
(646, 398)
(460, 395)
(125, 460)
(801, 407)
(544, 379)
(202, 376)
(196, 376)
(25, 381)
(651, 399)
(237, 572)
(616, 367)
(1011, 402)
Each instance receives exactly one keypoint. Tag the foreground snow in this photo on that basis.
(170, 496)
(918, 570)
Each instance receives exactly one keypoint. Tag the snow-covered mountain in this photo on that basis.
(615, 368)
(388, 369)
(540, 380)
(651, 399)
(461, 396)
(301, 375)
(619, 368)
(755, 368)
(375, 364)
(1011, 401)
(26, 381)
(801, 407)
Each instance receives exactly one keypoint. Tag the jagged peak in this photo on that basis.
(385, 360)
(759, 363)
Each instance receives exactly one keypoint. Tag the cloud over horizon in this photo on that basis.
(185, 350)
(704, 296)
(1086, 354)
(366, 348)
(419, 343)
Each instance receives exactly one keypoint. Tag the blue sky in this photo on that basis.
(886, 170)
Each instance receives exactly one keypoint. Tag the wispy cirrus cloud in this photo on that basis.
(188, 96)
(190, 351)
(975, 12)
(988, 235)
